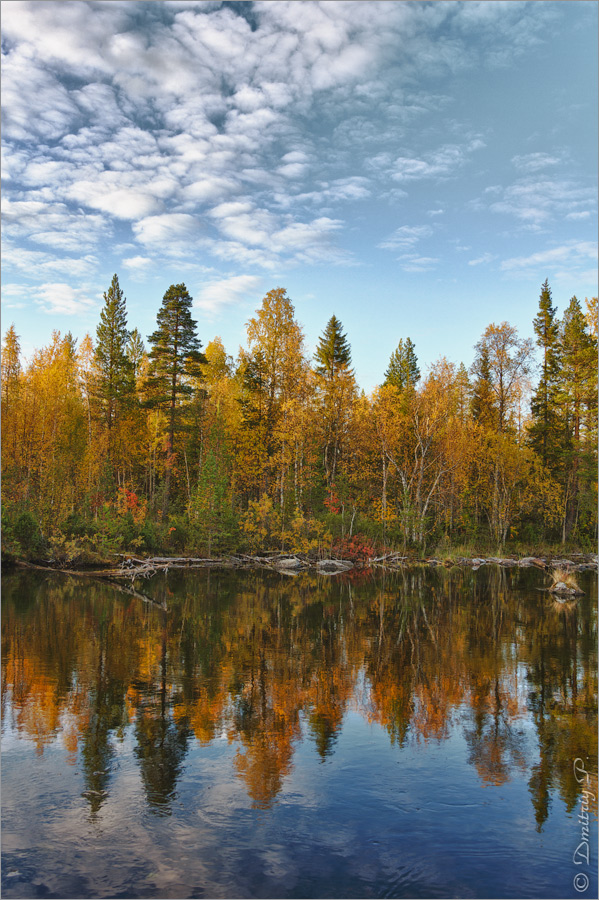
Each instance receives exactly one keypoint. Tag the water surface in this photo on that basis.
(262, 735)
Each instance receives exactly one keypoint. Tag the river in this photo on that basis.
(427, 733)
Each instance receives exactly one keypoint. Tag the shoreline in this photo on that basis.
(131, 567)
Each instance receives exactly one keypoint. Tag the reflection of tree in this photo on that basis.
(562, 672)
(161, 739)
(259, 659)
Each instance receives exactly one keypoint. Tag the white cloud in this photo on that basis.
(439, 164)
(138, 263)
(412, 263)
(482, 260)
(574, 253)
(406, 237)
(41, 265)
(122, 202)
(226, 292)
(536, 201)
(533, 162)
(58, 298)
(165, 228)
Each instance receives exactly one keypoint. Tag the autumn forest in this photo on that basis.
(119, 443)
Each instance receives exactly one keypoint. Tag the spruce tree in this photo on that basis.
(336, 391)
(544, 431)
(11, 367)
(333, 352)
(482, 406)
(135, 352)
(402, 371)
(577, 398)
(112, 381)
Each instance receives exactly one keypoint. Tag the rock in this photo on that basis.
(334, 565)
(290, 562)
(527, 561)
(508, 563)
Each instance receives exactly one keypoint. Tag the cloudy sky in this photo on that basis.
(416, 168)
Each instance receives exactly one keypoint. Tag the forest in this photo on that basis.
(115, 444)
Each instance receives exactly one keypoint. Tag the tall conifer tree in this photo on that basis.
(175, 357)
(113, 369)
(402, 371)
(333, 352)
(482, 406)
(544, 431)
(577, 398)
(336, 387)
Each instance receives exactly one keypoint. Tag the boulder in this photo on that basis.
(334, 565)
(290, 562)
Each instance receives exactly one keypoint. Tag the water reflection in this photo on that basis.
(266, 662)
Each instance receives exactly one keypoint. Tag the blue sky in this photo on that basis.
(416, 168)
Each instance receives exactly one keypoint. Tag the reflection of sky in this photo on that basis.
(371, 817)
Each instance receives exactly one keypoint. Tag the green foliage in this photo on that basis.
(333, 351)
(403, 372)
(211, 514)
(114, 372)
(175, 358)
(483, 407)
(24, 534)
(546, 429)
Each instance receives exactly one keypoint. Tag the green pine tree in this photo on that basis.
(113, 370)
(333, 352)
(174, 362)
(210, 508)
(577, 398)
(336, 391)
(482, 406)
(402, 371)
(545, 430)
(136, 352)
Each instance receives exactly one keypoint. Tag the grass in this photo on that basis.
(564, 576)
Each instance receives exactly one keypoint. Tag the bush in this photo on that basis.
(358, 548)
(27, 534)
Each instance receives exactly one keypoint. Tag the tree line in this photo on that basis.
(112, 445)
(251, 655)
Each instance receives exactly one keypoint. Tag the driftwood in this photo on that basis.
(104, 576)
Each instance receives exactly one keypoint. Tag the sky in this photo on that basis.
(415, 168)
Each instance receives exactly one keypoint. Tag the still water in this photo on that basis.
(395, 735)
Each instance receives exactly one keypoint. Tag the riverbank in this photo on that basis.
(130, 567)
